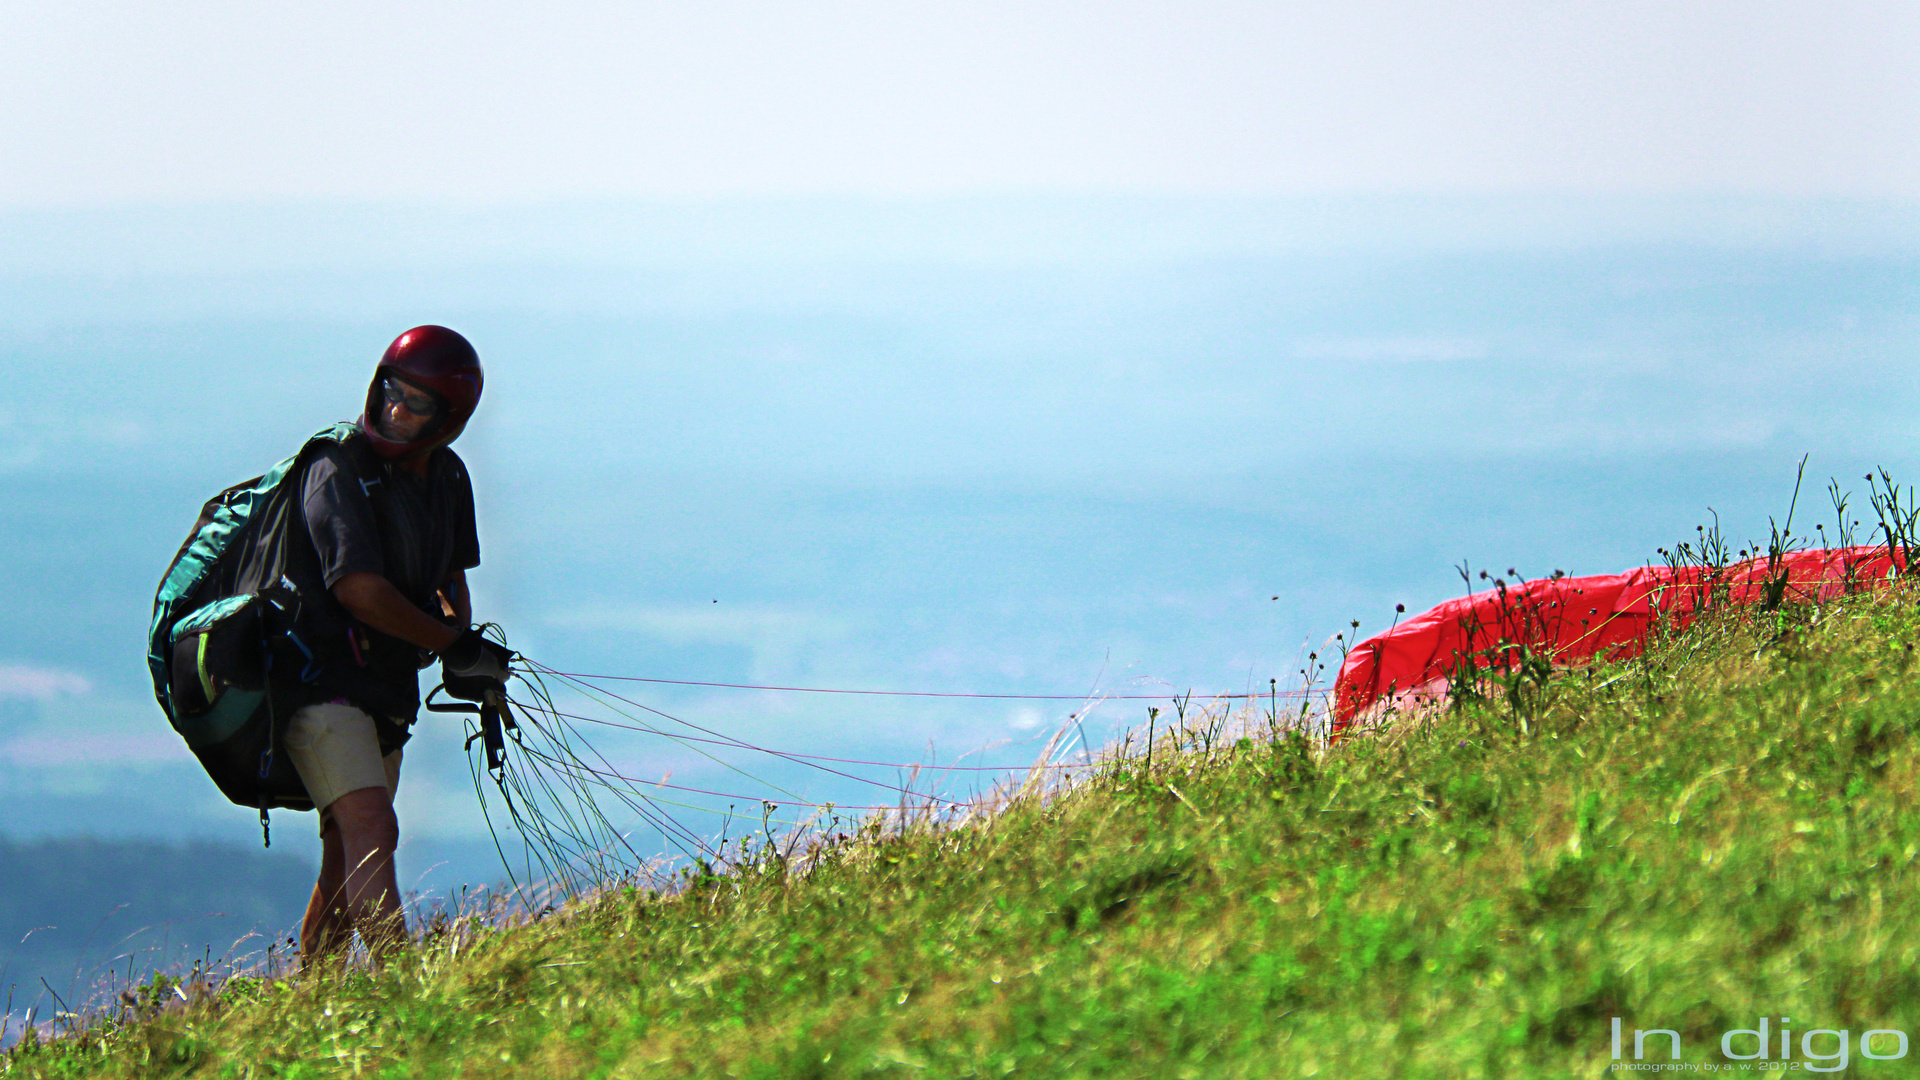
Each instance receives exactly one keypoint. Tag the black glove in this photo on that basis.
(472, 666)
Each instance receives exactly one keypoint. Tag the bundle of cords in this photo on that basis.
(562, 793)
(552, 781)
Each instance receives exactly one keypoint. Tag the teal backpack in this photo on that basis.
(240, 628)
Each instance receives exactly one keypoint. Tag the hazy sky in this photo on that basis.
(110, 101)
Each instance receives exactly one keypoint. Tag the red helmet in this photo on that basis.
(439, 362)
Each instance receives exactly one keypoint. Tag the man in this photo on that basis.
(394, 534)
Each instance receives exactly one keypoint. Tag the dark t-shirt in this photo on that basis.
(420, 534)
(430, 536)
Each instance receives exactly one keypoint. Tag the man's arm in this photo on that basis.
(373, 600)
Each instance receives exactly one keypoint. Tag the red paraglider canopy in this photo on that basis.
(1577, 620)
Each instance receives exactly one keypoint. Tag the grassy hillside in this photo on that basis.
(1722, 832)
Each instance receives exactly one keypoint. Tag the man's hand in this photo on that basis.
(472, 666)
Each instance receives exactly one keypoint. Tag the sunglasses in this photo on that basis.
(418, 404)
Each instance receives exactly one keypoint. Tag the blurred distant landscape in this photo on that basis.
(81, 913)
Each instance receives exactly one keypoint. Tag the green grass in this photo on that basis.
(1720, 832)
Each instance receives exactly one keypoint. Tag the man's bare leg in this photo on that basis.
(328, 925)
(362, 892)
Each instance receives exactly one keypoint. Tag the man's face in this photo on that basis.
(405, 409)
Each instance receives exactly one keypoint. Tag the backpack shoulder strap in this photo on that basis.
(367, 467)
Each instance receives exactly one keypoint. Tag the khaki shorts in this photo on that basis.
(336, 750)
